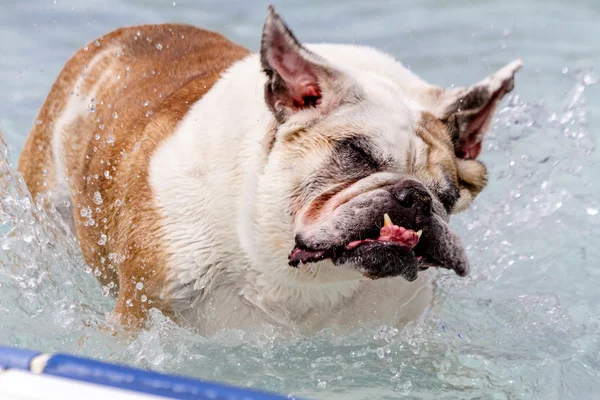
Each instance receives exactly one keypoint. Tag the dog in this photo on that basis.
(307, 186)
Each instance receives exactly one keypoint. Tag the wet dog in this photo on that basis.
(307, 186)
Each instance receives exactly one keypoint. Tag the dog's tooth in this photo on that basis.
(387, 221)
(419, 233)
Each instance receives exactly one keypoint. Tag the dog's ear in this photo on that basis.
(469, 112)
(297, 79)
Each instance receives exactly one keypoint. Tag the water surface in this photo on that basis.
(523, 325)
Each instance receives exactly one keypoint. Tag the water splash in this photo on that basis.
(523, 325)
(53, 301)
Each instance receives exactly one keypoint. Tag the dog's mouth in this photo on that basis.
(392, 250)
(389, 235)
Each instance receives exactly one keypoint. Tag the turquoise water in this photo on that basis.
(524, 325)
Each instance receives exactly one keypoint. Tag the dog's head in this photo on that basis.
(367, 162)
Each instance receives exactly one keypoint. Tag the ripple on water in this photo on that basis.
(523, 325)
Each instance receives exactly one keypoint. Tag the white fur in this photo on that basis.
(206, 177)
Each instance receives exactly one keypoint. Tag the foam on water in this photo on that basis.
(524, 324)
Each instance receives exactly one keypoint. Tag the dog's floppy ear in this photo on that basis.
(297, 79)
(469, 112)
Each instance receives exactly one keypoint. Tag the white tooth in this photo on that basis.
(419, 233)
(387, 221)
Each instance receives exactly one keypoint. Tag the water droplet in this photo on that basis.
(86, 212)
(380, 353)
(85, 48)
(118, 203)
(146, 103)
(589, 80)
(97, 43)
(110, 139)
(565, 70)
(144, 298)
(44, 172)
(97, 198)
(5, 244)
(97, 136)
(322, 384)
(159, 46)
(105, 291)
(115, 115)
(38, 122)
(591, 210)
(102, 240)
(129, 302)
(87, 269)
(139, 286)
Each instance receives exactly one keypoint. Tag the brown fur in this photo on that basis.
(470, 176)
(440, 150)
(156, 73)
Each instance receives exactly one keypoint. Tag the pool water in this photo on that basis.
(524, 325)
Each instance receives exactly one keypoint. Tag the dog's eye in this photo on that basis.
(448, 197)
(353, 156)
(364, 155)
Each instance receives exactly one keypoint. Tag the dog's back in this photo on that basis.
(113, 103)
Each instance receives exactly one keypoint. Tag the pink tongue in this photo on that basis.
(391, 233)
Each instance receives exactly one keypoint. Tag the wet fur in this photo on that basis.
(206, 195)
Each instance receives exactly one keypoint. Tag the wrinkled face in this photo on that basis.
(366, 164)
(372, 170)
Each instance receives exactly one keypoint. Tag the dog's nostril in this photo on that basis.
(411, 197)
(406, 198)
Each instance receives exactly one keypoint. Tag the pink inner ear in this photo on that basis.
(298, 73)
(302, 87)
(471, 139)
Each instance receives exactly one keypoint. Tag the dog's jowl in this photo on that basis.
(307, 186)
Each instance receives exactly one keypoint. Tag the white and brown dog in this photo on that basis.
(231, 189)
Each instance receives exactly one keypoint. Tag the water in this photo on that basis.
(524, 325)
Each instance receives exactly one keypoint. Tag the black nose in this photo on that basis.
(413, 196)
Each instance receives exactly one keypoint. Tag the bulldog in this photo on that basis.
(307, 186)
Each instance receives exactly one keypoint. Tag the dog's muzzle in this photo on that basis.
(389, 231)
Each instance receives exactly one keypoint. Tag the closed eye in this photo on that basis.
(448, 196)
(354, 155)
(364, 155)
